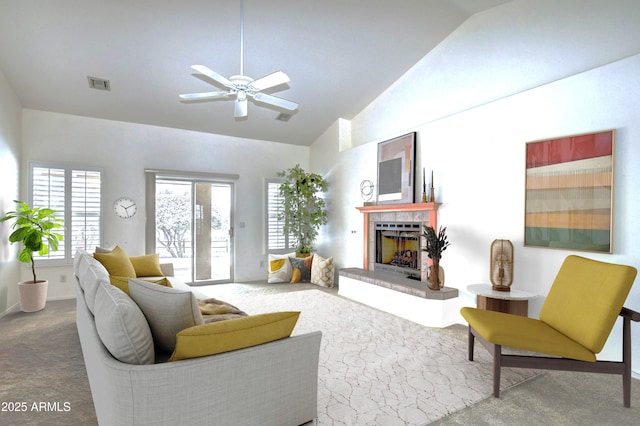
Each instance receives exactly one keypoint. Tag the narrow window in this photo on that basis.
(276, 239)
(76, 195)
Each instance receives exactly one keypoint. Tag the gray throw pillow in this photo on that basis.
(168, 310)
(122, 327)
(303, 265)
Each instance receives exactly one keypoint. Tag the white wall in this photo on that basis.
(10, 127)
(342, 236)
(506, 50)
(476, 146)
(125, 150)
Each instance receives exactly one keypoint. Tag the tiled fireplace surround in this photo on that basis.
(410, 299)
(425, 213)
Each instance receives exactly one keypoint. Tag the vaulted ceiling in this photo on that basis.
(339, 55)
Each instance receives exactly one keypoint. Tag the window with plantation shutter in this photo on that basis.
(86, 205)
(276, 240)
(76, 196)
(48, 190)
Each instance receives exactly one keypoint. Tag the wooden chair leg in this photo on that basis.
(626, 359)
(471, 344)
(497, 358)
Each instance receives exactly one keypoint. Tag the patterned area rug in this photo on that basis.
(376, 368)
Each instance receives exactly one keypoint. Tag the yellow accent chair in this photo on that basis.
(575, 321)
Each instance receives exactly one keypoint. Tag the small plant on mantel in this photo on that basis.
(303, 210)
(434, 245)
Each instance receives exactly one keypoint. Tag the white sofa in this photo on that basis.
(274, 383)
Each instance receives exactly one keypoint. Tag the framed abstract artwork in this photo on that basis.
(569, 192)
(396, 169)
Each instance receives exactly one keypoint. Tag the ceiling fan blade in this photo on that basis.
(212, 75)
(241, 108)
(275, 101)
(275, 79)
(204, 96)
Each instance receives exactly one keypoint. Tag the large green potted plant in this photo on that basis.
(34, 227)
(303, 210)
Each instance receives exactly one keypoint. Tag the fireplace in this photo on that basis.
(397, 248)
(418, 214)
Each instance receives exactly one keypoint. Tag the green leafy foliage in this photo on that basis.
(303, 210)
(435, 243)
(34, 228)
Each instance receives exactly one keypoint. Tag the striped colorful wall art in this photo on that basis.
(569, 192)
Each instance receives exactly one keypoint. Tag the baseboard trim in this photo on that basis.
(16, 306)
(12, 308)
(61, 298)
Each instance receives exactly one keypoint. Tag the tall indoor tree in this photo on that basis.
(303, 209)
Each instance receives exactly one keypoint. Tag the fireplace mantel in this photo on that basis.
(412, 207)
(414, 212)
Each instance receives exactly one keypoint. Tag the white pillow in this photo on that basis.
(168, 310)
(122, 327)
(322, 271)
(76, 261)
(91, 274)
(280, 268)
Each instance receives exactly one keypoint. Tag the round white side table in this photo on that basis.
(511, 302)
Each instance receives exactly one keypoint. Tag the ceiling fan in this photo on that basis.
(242, 87)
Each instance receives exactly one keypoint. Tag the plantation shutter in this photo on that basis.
(275, 236)
(85, 209)
(48, 190)
(76, 196)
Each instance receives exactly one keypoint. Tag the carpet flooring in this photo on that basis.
(376, 368)
(43, 380)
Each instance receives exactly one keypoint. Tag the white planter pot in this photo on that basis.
(33, 296)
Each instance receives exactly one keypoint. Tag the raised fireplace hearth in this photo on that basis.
(392, 247)
(403, 297)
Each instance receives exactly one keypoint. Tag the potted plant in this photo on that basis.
(35, 229)
(434, 245)
(303, 210)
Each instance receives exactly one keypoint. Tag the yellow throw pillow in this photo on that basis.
(116, 262)
(147, 265)
(223, 336)
(123, 282)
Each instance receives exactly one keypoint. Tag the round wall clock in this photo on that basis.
(125, 207)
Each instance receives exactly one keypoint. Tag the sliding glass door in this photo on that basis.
(193, 223)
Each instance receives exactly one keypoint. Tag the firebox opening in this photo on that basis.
(398, 248)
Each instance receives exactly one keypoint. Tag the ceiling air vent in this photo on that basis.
(99, 83)
(283, 117)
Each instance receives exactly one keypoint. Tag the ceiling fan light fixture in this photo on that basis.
(240, 108)
(242, 87)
